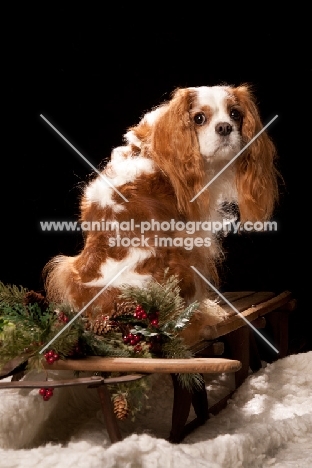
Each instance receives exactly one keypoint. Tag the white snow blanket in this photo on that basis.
(267, 423)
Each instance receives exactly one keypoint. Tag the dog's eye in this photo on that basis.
(235, 114)
(200, 118)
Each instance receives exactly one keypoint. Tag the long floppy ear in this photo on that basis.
(256, 175)
(175, 149)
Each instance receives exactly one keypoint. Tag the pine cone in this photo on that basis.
(100, 326)
(32, 297)
(124, 308)
(121, 407)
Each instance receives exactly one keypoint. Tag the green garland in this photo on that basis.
(146, 323)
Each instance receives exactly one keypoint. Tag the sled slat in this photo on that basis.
(241, 303)
(251, 313)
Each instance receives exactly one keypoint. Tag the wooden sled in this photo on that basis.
(233, 338)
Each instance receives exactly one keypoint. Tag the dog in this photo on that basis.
(149, 209)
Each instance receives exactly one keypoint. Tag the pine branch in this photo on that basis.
(191, 382)
(162, 297)
(25, 328)
(180, 321)
(15, 341)
(175, 348)
(111, 345)
(11, 294)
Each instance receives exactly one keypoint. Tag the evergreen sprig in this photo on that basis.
(163, 297)
(191, 381)
(166, 299)
(25, 327)
(110, 345)
(176, 349)
(11, 294)
(179, 322)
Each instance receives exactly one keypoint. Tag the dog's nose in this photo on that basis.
(223, 128)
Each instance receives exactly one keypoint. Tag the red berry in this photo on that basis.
(154, 323)
(133, 342)
(138, 348)
(46, 398)
(137, 338)
(126, 339)
(50, 353)
(56, 357)
(50, 360)
(65, 319)
(49, 392)
(138, 308)
(42, 391)
(144, 315)
(46, 355)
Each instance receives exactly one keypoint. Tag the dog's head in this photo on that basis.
(192, 137)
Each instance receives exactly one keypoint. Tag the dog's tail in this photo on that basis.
(58, 275)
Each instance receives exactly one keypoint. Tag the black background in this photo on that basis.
(95, 71)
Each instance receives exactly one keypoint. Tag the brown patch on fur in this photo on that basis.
(94, 254)
(104, 304)
(91, 212)
(142, 131)
(177, 262)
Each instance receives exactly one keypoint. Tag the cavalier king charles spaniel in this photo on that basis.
(147, 211)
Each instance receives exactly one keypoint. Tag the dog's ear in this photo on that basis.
(256, 175)
(175, 149)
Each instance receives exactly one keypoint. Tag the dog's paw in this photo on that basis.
(207, 317)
